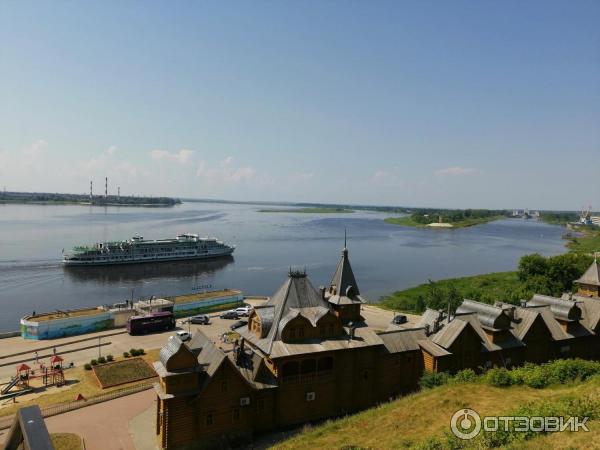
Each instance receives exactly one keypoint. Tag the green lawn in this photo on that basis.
(125, 371)
(409, 222)
(323, 210)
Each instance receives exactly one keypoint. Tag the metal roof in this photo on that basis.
(591, 275)
(488, 315)
(561, 308)
(175, 347)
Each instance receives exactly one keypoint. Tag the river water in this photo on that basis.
(384, 257)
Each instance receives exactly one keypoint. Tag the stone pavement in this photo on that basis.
(106, 426)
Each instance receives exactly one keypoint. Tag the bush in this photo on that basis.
(125, 354)
(141, 352)
(498, 377)
(431, 380)
(101, 360)
(465, 376)
(109, 358)
(87, 366)
(133, 352)
(93, 362)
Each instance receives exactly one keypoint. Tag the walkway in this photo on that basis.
(105, 426)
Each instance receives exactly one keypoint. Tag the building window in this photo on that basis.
(235, 414)
(565, 348)
(209, 419)
(293, 333)
(223, 386)
(301, 332)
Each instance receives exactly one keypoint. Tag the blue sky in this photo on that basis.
(422, 103)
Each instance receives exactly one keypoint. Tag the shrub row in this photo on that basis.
(100, 360)
(134, 352)
(533, 375)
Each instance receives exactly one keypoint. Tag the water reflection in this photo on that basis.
(146, 271)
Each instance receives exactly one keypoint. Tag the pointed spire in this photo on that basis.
(591, 275)
(343, 278)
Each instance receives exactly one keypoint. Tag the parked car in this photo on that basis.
(202, 319)
(238, 324)
(229, 315)
(183, 335)
(243, 311)
(399, 319)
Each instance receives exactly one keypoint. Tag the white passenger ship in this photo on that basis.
(138, 250)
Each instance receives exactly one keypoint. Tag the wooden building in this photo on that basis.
(589, 283)
(306, 354)
(296, 361)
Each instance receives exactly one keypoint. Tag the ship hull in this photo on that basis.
(150, 259)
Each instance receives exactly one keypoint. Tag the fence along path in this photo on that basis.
(61, 408)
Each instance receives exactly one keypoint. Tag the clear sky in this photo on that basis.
(420, 103)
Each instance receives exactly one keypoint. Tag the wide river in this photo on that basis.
(385, 257)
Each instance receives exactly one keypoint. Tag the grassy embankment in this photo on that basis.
(421, 420)
(408, 221)
(307, 210)
(78, 381)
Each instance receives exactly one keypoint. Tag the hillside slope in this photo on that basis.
(422, 420)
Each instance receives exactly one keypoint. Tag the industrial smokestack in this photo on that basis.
(105, 187)
(91, 190)
(119, 191)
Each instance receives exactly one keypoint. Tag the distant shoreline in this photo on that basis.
(409, 222)
(45, 198)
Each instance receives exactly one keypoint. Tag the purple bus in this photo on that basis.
(160, 321)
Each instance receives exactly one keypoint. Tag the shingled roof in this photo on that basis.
(591, 276)
(344, 282)
(590, 308)
(295, 298)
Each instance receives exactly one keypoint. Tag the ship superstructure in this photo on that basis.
(139, 250)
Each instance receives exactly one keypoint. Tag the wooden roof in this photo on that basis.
(591, 275)
(343, 279)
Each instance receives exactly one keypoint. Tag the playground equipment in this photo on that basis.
(50, 375)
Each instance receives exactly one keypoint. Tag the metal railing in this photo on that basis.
(61, 408)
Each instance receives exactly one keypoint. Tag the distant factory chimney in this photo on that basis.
(106, 187)
(91, 190)
(119, 191)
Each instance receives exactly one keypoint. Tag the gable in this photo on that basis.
(538, 330)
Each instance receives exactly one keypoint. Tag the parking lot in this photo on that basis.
(79, 352)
